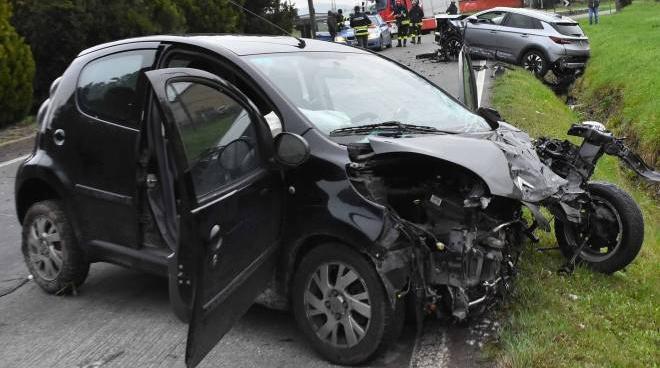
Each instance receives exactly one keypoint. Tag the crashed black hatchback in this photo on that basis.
(276, 169)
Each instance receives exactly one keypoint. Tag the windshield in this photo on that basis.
(341, 90)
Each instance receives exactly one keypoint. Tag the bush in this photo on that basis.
(16, 71)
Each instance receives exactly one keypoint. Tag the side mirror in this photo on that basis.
(291, 150)
(491, 116)
(473, 20)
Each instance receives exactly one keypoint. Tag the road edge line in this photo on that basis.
(13, 161)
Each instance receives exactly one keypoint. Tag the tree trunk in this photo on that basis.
(312, 18)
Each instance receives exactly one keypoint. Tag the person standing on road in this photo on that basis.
(402, 23)
(340, 19)
(593, 10)
(332, 25)
(360, 24)
(416, 16)
(452, 9)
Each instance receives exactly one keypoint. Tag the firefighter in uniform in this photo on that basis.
(416, 16)
(402, 23)
(340, 19)
(360, 24)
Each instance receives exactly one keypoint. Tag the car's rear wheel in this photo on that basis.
(341, 306)
(535, 62)
(51, 250)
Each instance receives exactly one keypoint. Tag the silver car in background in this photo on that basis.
(537, 41)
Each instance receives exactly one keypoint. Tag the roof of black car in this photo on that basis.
(238, 44)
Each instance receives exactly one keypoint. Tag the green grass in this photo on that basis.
(614, 321)
(622, 82)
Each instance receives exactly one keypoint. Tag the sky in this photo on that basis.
(322, 6)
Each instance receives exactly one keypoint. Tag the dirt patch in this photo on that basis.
(25, 128)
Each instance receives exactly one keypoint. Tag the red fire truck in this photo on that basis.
(385, 8)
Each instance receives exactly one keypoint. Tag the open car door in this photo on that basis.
(467, 82)
(229, 198)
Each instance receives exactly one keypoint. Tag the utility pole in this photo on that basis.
(312, 18)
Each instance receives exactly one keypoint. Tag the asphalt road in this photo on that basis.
(121, 318)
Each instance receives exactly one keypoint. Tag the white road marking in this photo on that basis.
(481, 77)
(430, 349)
(17, 159)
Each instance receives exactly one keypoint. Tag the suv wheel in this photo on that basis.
(341, 305)
(51, 250)
(535, 62)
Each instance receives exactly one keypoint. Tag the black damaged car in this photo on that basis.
(274, 169)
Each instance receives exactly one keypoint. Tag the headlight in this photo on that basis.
(340, 39)
(373, 35)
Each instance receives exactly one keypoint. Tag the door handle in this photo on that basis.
(59, 136)
(524, 35)
(493, 31)
(215, 239)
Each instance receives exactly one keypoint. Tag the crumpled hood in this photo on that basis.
(505, 159)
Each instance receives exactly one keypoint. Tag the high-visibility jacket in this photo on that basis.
(401, 15)
(360, 24)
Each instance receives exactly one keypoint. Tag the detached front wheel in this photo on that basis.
(341, 306)
(615, 230)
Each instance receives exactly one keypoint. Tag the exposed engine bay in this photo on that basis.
(468, 224)
(471, 240)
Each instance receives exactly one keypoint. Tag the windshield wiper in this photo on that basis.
(391, 126)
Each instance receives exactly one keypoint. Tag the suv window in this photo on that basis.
(217, 133)
(108, 87)
(522, 21)
(568, 29)
(494, 17)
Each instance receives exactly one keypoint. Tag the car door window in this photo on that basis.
(217, 133)
(522, 21)
(108, 87)
(494, 17)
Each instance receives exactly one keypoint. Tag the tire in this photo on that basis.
(51, 250)
(389, 45)
(454, 44)
(381, 44)
(535, 62)
(381, 328)
(622, 218)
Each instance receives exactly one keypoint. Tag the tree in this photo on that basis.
(57, 30)
(281, 13)
(210, 16)
(16, 71)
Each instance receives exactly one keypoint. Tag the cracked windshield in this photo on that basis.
(344, 90)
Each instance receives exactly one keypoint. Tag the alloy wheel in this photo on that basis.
(454, 47)
(606, 232)
(337, 304)
(45, 248)
(534, 63)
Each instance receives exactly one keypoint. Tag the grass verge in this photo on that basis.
(588, 319)
(25, 128)
(621, 84)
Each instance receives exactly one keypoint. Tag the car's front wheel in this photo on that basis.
(341, 306)
(51, 250)
(535, 62)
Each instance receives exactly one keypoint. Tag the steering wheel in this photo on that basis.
(235, 154)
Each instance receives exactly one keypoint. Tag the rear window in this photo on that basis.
(568, 29)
